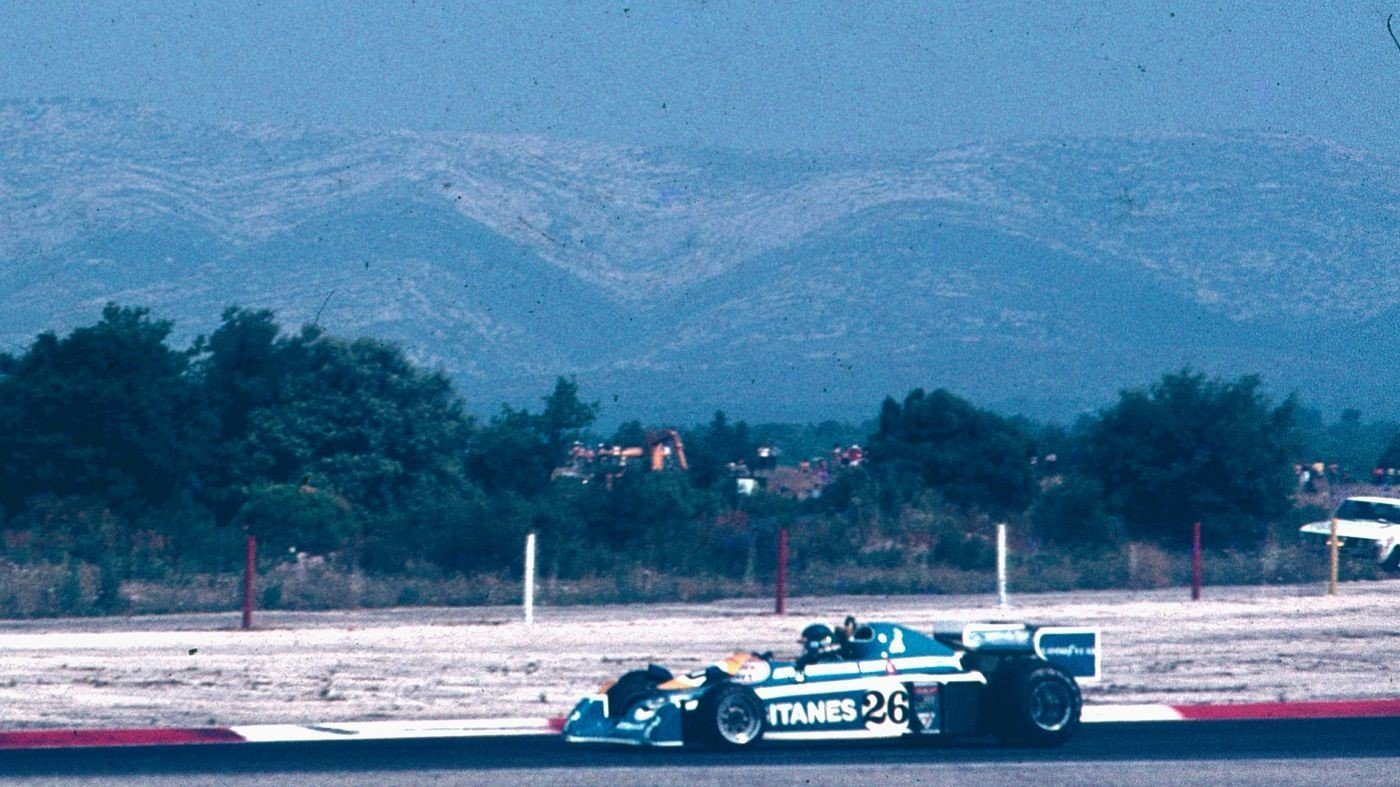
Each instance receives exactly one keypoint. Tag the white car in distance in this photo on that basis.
(1366, 519)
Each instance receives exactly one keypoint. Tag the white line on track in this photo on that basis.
(387, 730)
(1093, 714)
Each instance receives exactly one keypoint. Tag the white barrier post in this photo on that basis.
(1001, 566)
(529, 579)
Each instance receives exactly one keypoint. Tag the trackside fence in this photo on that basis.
(1007, 559)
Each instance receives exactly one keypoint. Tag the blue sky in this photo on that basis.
(839, 77)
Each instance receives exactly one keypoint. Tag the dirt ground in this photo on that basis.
(1239, 644)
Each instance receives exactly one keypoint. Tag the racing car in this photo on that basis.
(1016, 681)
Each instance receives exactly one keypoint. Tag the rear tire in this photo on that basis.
(1037, 704)
(729, 717)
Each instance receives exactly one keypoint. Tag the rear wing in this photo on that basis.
(1075, 649)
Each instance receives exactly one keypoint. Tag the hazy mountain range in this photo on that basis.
(1035, 276)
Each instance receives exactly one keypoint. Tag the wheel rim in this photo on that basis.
(1051, 706)
(737, 722)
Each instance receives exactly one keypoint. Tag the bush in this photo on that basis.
(885, 556)
(1148, 566)
(109, 598)
(965, 551)
(1072, 513)
(271, 596)
(72, 598)
(302, 518)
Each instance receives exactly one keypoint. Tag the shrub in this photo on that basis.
(1073, 513)
(297, 517)
(109, 598)
(72, 598)
(1148, 566)
(966, 551)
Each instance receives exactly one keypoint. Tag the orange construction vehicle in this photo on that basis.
(663, 444)
(663, 450)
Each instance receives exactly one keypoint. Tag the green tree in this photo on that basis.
(239, 368)
(1350, 441)
(650, 518)
(355, 420)
(713, 446)
(518, 450)
(105, 411)
(1390, 457)
(238, 374)
(461, 529)
(1073, 513)
(629, 433)
(509, 454)
(564, 419)
(1190, 448)
(359, 414)
(972, 457)
(297, 517)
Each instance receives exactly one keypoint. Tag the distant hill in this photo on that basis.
(1037, 277)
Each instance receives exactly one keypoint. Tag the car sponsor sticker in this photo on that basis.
(1076, 650)
(755, 670)
(924, 700)
(815, 713)
(881, 706)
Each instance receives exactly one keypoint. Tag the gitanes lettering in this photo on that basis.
(832, 711)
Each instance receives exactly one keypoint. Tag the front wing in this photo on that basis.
(641, 726)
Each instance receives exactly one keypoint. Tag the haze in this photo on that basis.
(838, 77)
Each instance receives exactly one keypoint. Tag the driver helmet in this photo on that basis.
(817, 639)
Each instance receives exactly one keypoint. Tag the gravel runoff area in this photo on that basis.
(1239, 644)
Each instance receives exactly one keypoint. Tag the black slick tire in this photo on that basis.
(1036, 704)
(729, 716)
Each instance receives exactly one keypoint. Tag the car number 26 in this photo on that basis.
(880, 709)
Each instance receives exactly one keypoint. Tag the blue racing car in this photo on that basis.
(879, 680)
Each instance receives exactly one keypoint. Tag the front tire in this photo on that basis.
(1391, 561)
(1039, 705)
(729, 717)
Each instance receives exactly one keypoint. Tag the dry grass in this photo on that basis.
(51, 590)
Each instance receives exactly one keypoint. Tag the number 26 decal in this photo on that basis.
(878, 709)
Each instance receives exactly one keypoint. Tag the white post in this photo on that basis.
(1001, 566)
(530, 579)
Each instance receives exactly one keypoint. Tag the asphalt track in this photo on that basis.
(1293, 751)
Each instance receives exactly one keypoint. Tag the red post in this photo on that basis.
(781, 602)
(1196, 562)
(249, 560)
